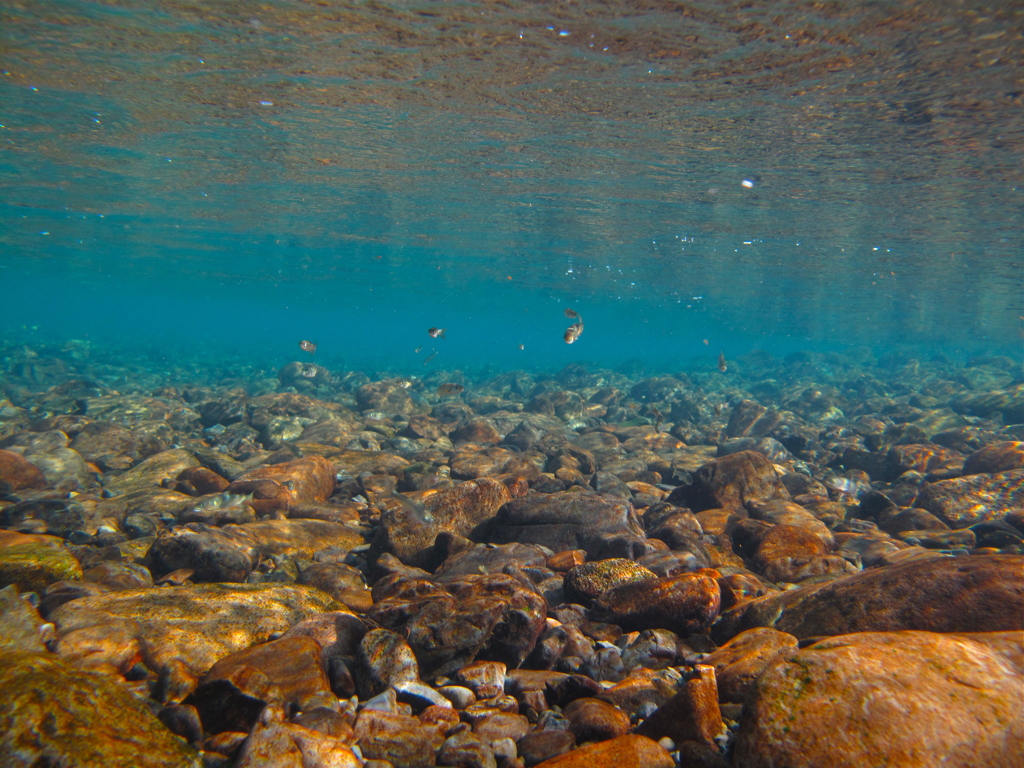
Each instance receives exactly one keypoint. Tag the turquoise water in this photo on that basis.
(221, 180)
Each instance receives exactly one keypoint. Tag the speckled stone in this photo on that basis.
(54, 714)
(404, 741)
(295, 538)
(981, 593)
(739, 662)
(194, 625)
(306, 480)
(964, 501)
(384, 659)
(900, 699)
(21, 626)
(31, 562)
(290, 745)
(684, 604)
(585, 583)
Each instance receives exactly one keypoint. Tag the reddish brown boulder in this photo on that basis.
(585, 583)
(981, 593)
(899, 699)
(739, 662)
(17, 473)
(787, 541)
(692, 714)
(629, 751)
(595, 720)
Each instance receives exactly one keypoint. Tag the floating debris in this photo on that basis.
(722, 365)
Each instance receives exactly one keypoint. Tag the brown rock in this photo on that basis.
(384, 659)
(922, 458)
(17, 473)
(342, 582)
(566, 520)
(629, 751)
(730, 482)
(31, 562)
(684, 604)
(793, 570)
(585, 583)
(291, 745)
(690, 715)
(787, 541)
(199, 481)
(409, 531)
(783, 512)
(402, 740)
(739, 662)
(306, 480)
(538, 746)
(151, 473)
(964, 501)
(981, 593)
(996, 457)
(478, 430)
(295, 538)
(595, 720)
(901, 699)
(292, 665)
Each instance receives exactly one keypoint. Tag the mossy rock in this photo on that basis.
(34, 564)
(54, 714)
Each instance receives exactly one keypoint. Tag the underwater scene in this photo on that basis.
(400, 383)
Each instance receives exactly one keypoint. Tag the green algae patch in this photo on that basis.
(32, 566)
(54, 714)
(194, 625)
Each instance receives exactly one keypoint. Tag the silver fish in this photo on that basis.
(224, 501)
(415, 508)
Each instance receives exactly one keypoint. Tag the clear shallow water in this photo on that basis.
(231, 178)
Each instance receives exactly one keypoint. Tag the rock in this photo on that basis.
(629, 751)
(152, 472)
(585, 583)
(290, 672)
(338, 633)
(21, 626)
(951, 700)
(403, 741)
(31, 562)
(487, 558)
(210, 553)
(465, 750)
(192, 626)
(1009, 402)
(384, 660)
(117, 576)
(730, 482)
(996, 457)
(294, 538)
(493, 616)
(290, 745)
(17, 473)
(685, 604)
(965, 501)
(981, 593)
(786, 541)
(793, 570)
(690, 715)
(751, 419)
(538, 746)
(54, 714)
(595, 720)
(740, 661)
(562, 521)
(305, 480)
(390, 396)
(342, 582)
(408, 530)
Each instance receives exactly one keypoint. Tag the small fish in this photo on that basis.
(848, 486)
(415, 508)
(572, 314)
(722, 365)
(224, 501)
(522, 346)
(436, 333)
(450, 389)
(657, 420)
(417, 350)
(718, 410)
(307, 346)
(573, 332)
(430, 357)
